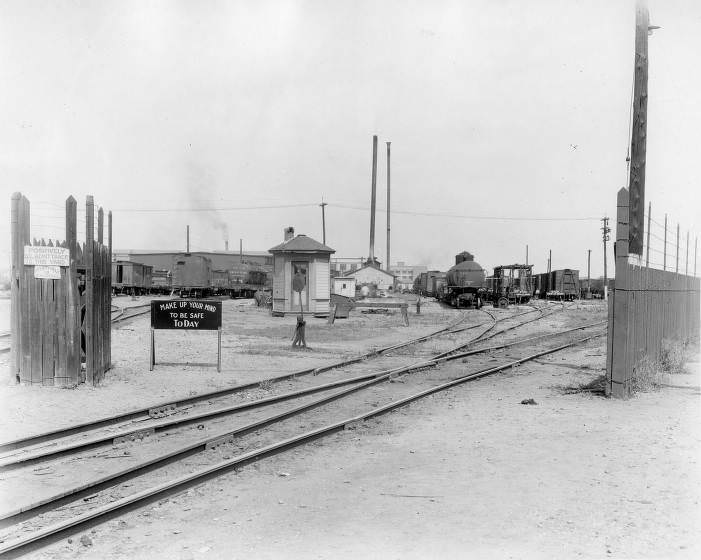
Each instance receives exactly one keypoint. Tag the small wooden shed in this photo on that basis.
(303, 258)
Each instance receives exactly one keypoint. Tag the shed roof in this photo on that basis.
(301, 244)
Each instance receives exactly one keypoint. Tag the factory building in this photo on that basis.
(406, 274)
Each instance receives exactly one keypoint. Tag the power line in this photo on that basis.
(469, 217)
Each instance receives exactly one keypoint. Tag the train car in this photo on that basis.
(464, 283)
(245, 279)
(131, 278)
(161, 281)
(220, 282)
(541, 283)
(192, 275)
(510, 284)
(563, 285)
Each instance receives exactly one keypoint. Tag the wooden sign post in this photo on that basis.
(185, 314)
(298, 285)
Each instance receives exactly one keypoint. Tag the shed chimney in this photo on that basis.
(289, 233)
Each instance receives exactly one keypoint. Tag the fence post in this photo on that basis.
(89, 294)
(618, 373)
(676, 269)
(109, 248)
(15, 294)
(664, 249)
(649, 218)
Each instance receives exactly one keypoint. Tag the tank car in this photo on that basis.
(464, 283)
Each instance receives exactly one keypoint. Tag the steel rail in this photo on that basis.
(223, 437)
(20, 544)
(147, 412)
(11, 462)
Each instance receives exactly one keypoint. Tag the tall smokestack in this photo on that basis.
(240, 250)
(371, 257)
(388, 261)
(226, 244)
(188, 240)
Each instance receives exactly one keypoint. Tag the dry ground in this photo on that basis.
(469, 473)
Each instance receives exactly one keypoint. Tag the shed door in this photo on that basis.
(299, 271)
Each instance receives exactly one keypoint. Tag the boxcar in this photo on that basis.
(192, 275)
(161, 281)
(563, 284)
(131, 278)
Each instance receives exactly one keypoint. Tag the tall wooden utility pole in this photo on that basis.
(606, 230)
(388, 199)
(638, 140)
(323, 220)
(588, 271)
(371, 256)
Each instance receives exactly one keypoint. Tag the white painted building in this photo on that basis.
(368, 275)
(344, 286)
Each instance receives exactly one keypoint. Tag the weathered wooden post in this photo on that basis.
(109, 250)
(89, 292)
(73, 307)
(619, 367)
(15, 276)
(298, 284)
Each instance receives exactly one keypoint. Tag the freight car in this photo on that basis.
(161, 281)
(430, 283)
(192, 275)
(245, 279)
(563, 285)
(131, 278)
(464, 283)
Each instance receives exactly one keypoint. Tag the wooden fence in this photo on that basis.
(647, 307)
(61, 330)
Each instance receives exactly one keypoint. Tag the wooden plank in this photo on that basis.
(100, 224)
(89, 291)
(61, 376)
(35, 327)
(72, 298)
(14, 287)
(49, 332)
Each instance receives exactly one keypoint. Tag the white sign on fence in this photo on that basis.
(46, 256)
(50, 272)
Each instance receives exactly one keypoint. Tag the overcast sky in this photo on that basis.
(495, 109)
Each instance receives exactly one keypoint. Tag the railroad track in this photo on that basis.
(221, 438)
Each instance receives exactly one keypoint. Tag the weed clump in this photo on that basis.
(647, 375)
(672, 356)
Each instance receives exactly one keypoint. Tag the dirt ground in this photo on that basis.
(468, 473)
